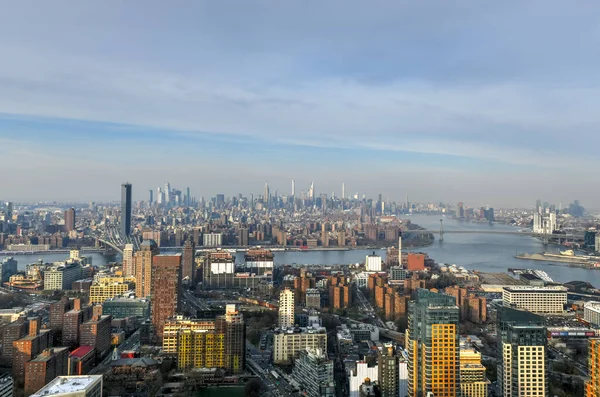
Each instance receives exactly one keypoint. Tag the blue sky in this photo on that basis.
(481, 102)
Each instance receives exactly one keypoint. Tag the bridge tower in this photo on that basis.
(441, 230)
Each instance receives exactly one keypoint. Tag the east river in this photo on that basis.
(483, 252)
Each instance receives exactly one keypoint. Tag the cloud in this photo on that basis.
(457, 81)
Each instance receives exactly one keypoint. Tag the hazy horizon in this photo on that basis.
(485, 103)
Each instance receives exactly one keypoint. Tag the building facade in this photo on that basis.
(592, 386)
(433, 345)
(61, 277)
(288, 344)
(522, 340)
(166, 290)
(591, 313)
(286, 308)
(473, 382)
(72, 386)
(143, 268)
(314, 373)
(549, 300)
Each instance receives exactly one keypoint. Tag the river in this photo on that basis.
(484, 252)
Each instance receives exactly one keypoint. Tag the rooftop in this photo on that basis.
(527, 288)
(81, 351)
(67, 384)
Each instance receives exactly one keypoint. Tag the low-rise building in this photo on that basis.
(287, 344)
(72, 386)
(110, 287)
(591, 313)
(61, 276)
(549, 300)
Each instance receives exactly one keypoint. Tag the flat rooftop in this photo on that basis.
(499, 279)
(67, 384)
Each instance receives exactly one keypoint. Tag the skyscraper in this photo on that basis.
(125, 209)
(143, 268)
(388, 372)
(150, 198)
(70, 220)
(128, 263)
(167, 193)
(166, 289)
(432, 343)
(293, 188)
(286, 308)
(523, 360)
(188, 261)
(266, 197)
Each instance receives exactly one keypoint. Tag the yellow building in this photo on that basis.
(432, 344)
(110, 287)
(176, 324)
(592, 386)
(473, 382)
(218, 343)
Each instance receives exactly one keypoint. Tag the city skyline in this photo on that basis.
(449, 107)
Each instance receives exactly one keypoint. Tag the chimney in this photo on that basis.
(97, 310)
(34, 327)
(76, 304)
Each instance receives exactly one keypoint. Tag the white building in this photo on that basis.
(591, 313)
(544, 223)
(286, 308)
(373, 263)
(535, 299)
(61, 276)
(212, 239)
(72, 386)
(358, 376)
(287, 344)
(362, 279)
(403, 377)
(128, 263)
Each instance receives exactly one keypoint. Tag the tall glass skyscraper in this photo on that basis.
(125, 209)
(433, 345)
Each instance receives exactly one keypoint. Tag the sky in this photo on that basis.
(481, 102)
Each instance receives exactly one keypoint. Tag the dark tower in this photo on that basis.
(125, 209)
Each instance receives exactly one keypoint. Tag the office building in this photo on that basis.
(286, 308)
(473, 382)
(96, 332)
(128, 262)
(70, 220)
(288, 343)
(62, 276)
(397, 273)
(166, 290)
(522, 340)
(388, 368)
(188, 263)
(314, 373)
(548, 300)
(218, 270)
(8, 267)
(110, 287)
(591, 313)
(6, 385)
(373, 263)
(46, 366)
(432, 344)
(592, 385)
(218, 343)
(126, 307)
(72, 386)
(143, 268)
(256, 269)
(125, 210)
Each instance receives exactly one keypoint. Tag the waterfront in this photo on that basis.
(483, 252)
